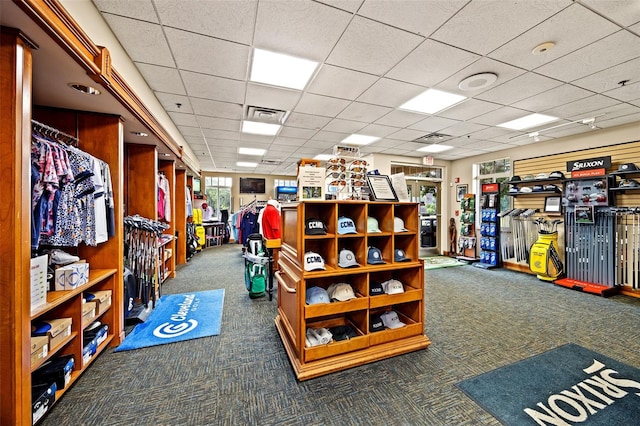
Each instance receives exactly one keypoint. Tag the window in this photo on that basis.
(417, 171)
(218, 191)
(284, 182)
(494, 171)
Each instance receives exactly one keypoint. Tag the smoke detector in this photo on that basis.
(478, 81)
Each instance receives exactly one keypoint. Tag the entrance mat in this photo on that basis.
(435, 262)
(567, 385)
(178, 317)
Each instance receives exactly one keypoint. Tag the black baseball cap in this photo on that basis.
(375, 323)
(375, 288)
(343, 332)
(628, 167)
(314, 226)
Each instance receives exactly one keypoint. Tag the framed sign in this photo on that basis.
(553, 204)
(381, 188)
(461, 191)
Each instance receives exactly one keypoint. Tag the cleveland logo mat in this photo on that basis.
(180, 324)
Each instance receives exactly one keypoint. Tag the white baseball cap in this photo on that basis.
(341, 292)
(390, 320)
(347, 259)
(372, 224)
(316, 295)
(346, 226)
(398, 225)
(313, 261)
(392, 287)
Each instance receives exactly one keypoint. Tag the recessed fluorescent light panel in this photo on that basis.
(435, 148)
(323, 157)
(528, 121)
(432, 101)
(356, 139)
(251, 151)
(246, 164)
(260, 128)
(281, 70)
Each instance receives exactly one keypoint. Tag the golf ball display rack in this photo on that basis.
(489, 227)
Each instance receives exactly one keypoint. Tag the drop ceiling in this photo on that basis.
(373, 56)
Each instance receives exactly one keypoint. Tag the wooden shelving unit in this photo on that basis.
(295, 316)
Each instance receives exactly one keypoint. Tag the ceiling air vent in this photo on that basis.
(271, 162)
(265, 115)
(432, 137)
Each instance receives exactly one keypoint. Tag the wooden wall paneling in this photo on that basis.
(181, 217)
(142, 170)
(15, 310)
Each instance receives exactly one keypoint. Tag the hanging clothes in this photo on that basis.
(248, 225)
(189, 203)
(164, 198)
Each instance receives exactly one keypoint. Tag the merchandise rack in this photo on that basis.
(295, 316)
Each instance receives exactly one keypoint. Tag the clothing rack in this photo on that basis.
(55, 133)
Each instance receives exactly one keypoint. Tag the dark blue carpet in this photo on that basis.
(565, 386)
(178, 317)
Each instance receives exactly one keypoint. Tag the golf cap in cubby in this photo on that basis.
(556, 174)
(372, 225)
(375, 288)
(400, 256)
(346, 226)
(341, 292)
(398, 225)
(347, 259)
(314, 226)
(313, 261)
(316, 295)
(390, 320)
(392, 287)
(343, 332)
(374, 256)
(375, 323)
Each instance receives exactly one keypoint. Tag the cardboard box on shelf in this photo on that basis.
(71, 276)
(88, 312)
(38, 276)
(39, 348)
(102, 299)
(42, 397)
(55, 329)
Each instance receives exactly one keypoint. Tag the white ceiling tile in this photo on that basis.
(225, 135)
(143, 41)
(304, 29)
(555, 97)
(216, 109)
(504, 72)
(170, 102)
(390, 93)
(219, 123)
(288, 141)
(571, 29)
(418, 17)
(384, 143)
(460, 129)
(610, 78)
(216, 88)
(519, 88)
(321, 105)
(377, 130)
(271, 97)
(296, 132)
(632, 118)
(190, 131)
(626, 93)
(140, 9)
(399, 118)
(612, 111)
(623, 12)
(372, 47)
(483, 26)
(162, 79)
(344, 126)
(406, 135)
(419, 66)
(499, 116)
(183, 119)
(194, 52)
(610, 51)
(307, 121)
(581, 106)
(490, 133)
(460, 142)
(468, 109)
(340, 82)
(320, 144)
(363, 112)
(333, 137)
(433, 124)
(229, 20)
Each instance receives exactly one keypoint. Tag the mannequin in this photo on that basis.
(270, 220)
(453, 236)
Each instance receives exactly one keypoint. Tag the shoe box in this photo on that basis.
(56, 370)
(89, 311)
(101, 298)
(42, 399)
(55, 329)
(69, 277)
(39, 348)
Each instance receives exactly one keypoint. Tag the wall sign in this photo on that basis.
(589, 167)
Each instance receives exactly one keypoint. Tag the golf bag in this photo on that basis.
(256, 261)
(192, 240)
(544, 259)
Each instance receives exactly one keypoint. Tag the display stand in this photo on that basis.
(490, 227)
(295, 316)
(467, 238)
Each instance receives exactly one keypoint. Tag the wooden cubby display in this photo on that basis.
(295, 316)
